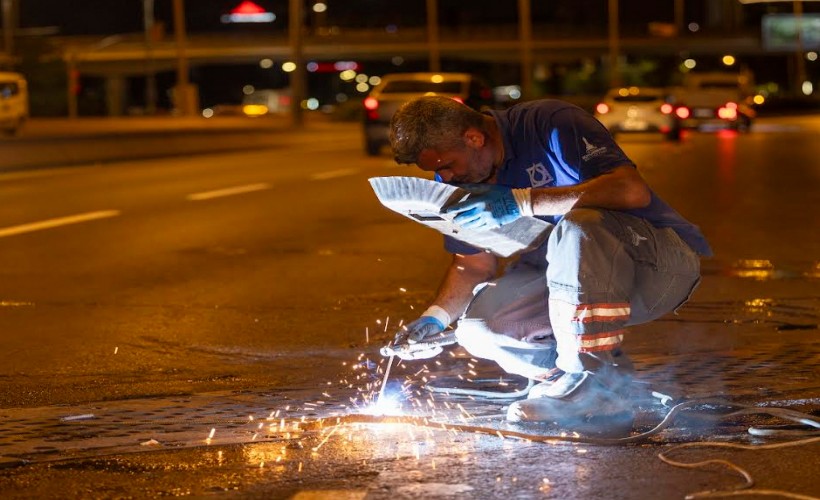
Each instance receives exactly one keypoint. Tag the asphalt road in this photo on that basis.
(276, 269)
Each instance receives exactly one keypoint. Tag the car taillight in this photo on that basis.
(371, 107)
(667, 108)
(602, 108)
(728, 111)
(682, 112)
(458, 99)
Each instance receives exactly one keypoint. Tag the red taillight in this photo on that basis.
(602, 108)
(458, 99)
(667, 108)
(682, 112)
(371, 104)
(727, 113)
(371, 107)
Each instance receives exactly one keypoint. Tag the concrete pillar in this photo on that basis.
(298, 78)
(72, 84)
(115, 88)
(525, 41)
(614, 44)
(433, 36)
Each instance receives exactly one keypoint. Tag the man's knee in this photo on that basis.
(579, 222)
(474, 336)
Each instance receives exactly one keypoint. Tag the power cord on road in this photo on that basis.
(806, 435)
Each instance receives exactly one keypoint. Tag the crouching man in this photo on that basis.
(617, 255)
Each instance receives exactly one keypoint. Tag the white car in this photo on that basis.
(13, 102)
(397, 88)
(640, 110)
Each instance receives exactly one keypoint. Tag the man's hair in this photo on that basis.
(430, 122)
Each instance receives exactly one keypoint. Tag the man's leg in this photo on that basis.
(607, 270)
(507, 322)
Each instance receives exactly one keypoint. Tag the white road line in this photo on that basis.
(207, 195)
(342, 172)
(60, 221)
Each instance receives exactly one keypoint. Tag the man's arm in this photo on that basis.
(621, 188)
(464, 273)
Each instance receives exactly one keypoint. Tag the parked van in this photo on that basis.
(13, 102)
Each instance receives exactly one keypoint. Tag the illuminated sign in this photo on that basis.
(331, 67)
(248, 12)
(780, 31)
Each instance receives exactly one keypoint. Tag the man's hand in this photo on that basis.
(488, 206)
(416, 331)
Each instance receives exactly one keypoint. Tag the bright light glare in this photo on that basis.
(288, 67)
(728, 60)
(361, 78)
(807, 88)
(759, 99)
(387, 404)
(690, 63)
(312, 104)
(319, 7)
(347, 75)
(362, 87)
(374, 80)
(248, 89)
(436, 78)
(255, 109)
(266, 63)
(811, 56)
(207, 112)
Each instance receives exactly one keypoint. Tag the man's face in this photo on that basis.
(470, 163)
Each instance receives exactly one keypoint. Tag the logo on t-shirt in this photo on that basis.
(591, 150)
(539, 175)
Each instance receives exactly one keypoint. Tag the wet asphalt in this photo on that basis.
(748, 337)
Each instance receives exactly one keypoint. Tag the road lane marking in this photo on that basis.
(342, 172)
(207, 195)
(60, 221)
(52, 172)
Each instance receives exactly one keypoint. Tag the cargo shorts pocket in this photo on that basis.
(637, 235)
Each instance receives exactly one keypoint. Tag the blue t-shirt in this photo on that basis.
(551, 143)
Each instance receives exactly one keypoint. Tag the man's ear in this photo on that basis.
(474, 138)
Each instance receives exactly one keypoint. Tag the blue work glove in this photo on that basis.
(409, 341)
(417, 330)
(487, 206)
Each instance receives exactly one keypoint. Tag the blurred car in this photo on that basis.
(717, 99)
(13, 102)
(398, 88)
(640, 110)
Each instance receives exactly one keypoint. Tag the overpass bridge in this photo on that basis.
(117, 57)
(118, 54)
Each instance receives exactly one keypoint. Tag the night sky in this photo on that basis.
(104, 17)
